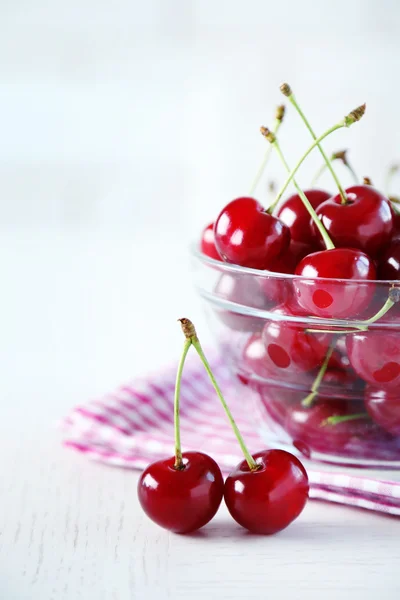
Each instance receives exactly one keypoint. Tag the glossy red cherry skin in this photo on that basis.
(384, 408)
(269, 499)
(365, 222)
(375, 357)
(396, 226)
(207, 242)
(294, 214)
(389, 263)
(181, 500)
(335, 299)
(246, 235)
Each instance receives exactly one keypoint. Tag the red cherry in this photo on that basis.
(244, 290)
(207, 242)
(181, 500)
(247, 235)
(268, 499)
(295, 215)
(291, 351)
(310, 427)
(396, 226)
(389, 263)
(375, 357)
(335, 299)
(364, 222)
(384, 408)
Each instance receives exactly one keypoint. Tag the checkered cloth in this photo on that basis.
(133, 426)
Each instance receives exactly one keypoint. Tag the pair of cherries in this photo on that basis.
(264, 493)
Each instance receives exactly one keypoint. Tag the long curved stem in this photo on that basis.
(335, 156)
(191, 335)
(268, 151)
(178, 449)
(325, 236)
(342, 193)
(308, 400)
(292, 174)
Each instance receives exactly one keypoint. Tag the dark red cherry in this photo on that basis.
(396, 226)
(310, 427)
(389, 263)
(181, 500)
(295, 215)
(207, 242)
(384, 408)
(335, 299)
(268, 499)
(247, 235)
(245, 291)
(291, 351)
(364, 222)
(375, 357)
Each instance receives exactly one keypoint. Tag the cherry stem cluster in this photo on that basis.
(287, 91)
(270, 136)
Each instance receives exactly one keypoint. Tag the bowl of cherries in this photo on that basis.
(304, 299)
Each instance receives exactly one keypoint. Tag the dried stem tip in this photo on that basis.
(280, 112)
(286, 89)
(340, 155)
(267, 133)
(355, 115)
(394, 294)
(188, 328)
(367, 181)
(394, 168)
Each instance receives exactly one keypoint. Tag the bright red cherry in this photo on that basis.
(375, 357)
(389, 263)
(396, 226)
(295, 215)
(365, 221)
(384, 408)
(335, 299)
(247, 235)
(268, 499)
(207, 242)
(181, 500)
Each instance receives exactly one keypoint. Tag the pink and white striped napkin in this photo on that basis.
(134, 426)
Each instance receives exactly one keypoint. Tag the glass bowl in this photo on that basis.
(326, 381)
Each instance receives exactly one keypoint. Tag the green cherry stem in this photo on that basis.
(191, 336)
(354, 116)
(178, 449)
(287, 91)
(325, 236)
(336, 419)
(280, 112)
(317, 382)
(339, 155)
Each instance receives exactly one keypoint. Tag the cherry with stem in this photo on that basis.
(279, 114)
(287, 91)
(181, 493)
(338, 155)
(267, 491)
(308, 400)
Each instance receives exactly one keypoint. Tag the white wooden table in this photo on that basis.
(73, 325)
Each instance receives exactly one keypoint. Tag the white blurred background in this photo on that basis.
(131, 115)
(124, 127)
